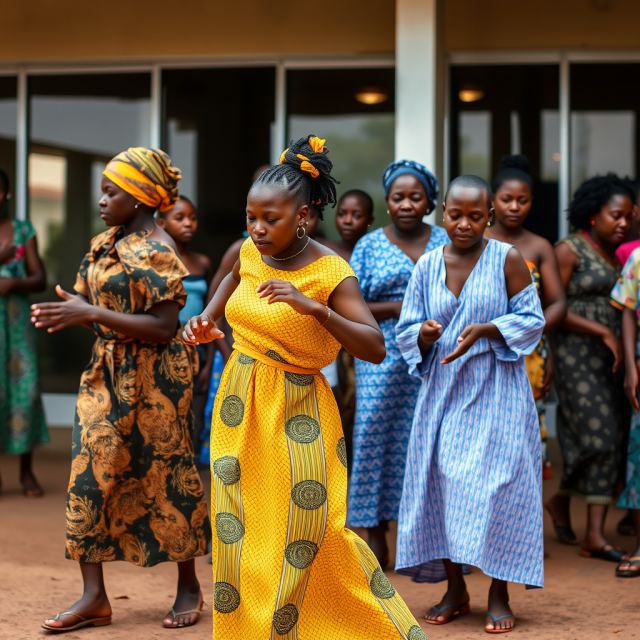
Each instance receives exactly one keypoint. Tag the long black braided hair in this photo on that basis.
(304, 171)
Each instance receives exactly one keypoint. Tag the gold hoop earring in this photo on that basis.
(489, 223)
(304, 232)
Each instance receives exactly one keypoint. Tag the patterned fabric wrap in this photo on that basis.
(536, 367)
(404, 167)
(385, 393)
(285, 567)
(146, 174)
(134, 492)
(593, 412)
(477, 409)
(22, 421)
(625, 293)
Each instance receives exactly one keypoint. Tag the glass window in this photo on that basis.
(77, 123)
(354, 109)
(8, 127)
(217, 130)
(604, 120)
(498, 110)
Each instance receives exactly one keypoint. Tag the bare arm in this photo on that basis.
(158, 324)
(568, 262)
(553, 288)
(35, 280)
(229, 259)
(203, 328)
(349, 321)
(384, 310)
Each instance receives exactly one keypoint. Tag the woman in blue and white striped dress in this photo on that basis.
(472, 487)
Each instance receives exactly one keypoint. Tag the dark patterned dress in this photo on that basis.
(22, 421)
(593, 410)
(134, 492)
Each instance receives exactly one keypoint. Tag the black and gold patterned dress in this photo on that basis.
(593, 410)
(134, 492)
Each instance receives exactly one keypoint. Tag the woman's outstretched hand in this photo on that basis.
(469, 337)
(54, 316)
(201, 329)
(282, 291)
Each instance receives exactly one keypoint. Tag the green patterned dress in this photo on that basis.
(22, 422)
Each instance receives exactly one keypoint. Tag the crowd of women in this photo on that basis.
(432, 347)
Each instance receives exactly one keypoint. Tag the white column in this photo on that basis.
(156, 107)
(20, 191)
(420, 83)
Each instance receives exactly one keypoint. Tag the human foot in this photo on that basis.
(629, 568)
(30, 486)
(500, 618)
(455, 602)
(88, 611)
(558, 509)
(186, 609)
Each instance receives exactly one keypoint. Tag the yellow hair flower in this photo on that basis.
(317, 144)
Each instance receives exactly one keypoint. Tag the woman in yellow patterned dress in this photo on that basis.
(285, 567)
(134, 492)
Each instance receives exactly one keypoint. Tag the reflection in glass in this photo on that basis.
(605, 107)
(602, 141)
(475, 144)
(77, 124)
(8, 127)
(515, 111)
(217, 129)
(360, 133)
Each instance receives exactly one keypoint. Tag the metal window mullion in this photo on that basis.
(22, 142)
(564, 182)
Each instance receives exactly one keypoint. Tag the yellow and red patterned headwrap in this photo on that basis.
(146, 174)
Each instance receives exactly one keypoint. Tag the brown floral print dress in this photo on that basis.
(134, 492)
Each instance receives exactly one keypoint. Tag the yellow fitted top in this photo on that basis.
(276, 329)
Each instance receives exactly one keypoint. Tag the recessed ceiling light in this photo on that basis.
(371, 95)
(470, 95)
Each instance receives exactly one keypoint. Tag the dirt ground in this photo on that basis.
(582, 600)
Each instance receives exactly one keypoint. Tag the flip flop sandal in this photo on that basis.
(629, 573)
(84, 622)
(509, 615)
(32, 489)
(184, 613)
(460, 610)
(612, 554)
(564, 532)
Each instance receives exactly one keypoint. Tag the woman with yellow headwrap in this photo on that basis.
(134, 492)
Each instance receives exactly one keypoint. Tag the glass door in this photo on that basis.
(497, 110)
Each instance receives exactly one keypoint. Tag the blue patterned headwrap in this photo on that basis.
(403, 167)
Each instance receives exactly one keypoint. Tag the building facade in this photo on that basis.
(455, 84)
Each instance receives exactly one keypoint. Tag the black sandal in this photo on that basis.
(612, 554)
(564, 532)
(629, 573)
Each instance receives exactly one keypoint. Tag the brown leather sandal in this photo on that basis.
(84, 622)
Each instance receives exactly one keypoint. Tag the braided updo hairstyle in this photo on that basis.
(304, 171)
(593, 194)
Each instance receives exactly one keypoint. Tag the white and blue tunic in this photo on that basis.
(472, 488)
(385, 394)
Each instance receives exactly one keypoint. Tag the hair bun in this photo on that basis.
(518, 161)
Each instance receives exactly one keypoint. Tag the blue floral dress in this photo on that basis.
(385, 394)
